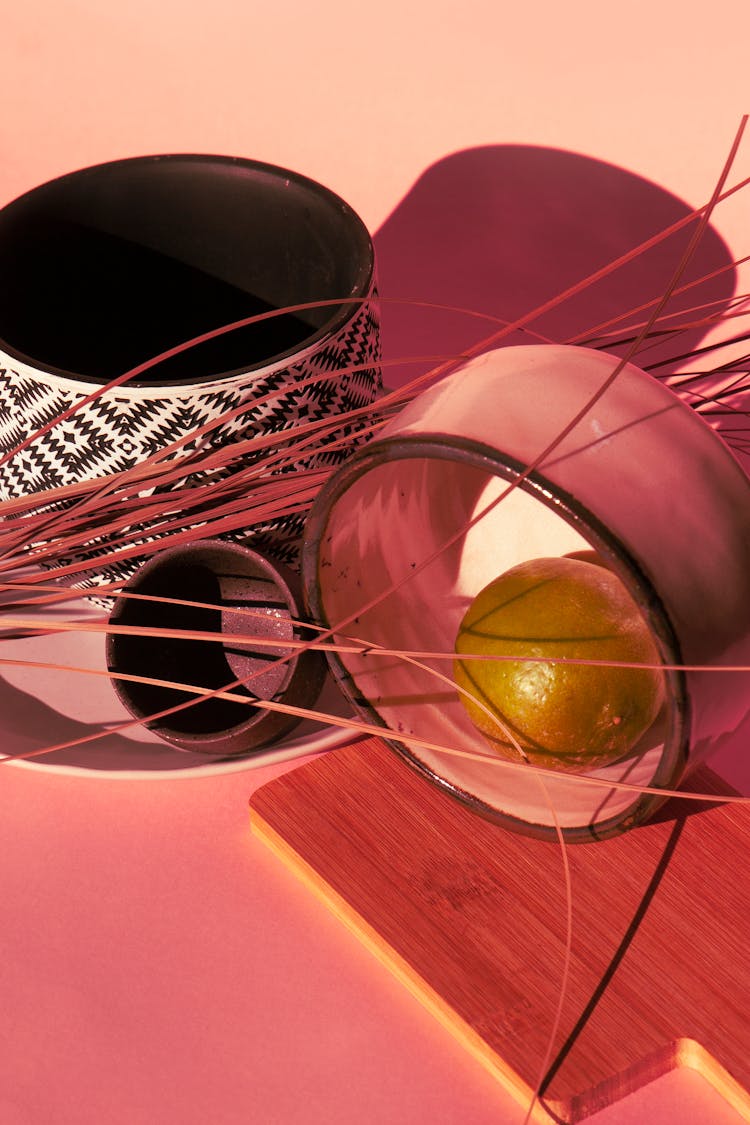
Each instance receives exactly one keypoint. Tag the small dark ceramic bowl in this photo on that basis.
(641, 479)
(227, 579)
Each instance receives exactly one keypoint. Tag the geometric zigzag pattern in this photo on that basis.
(123, 427)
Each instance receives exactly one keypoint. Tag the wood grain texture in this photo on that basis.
(471, 918)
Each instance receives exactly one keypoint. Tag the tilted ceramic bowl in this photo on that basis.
(640, 478)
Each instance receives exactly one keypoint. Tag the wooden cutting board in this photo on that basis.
(471, 917)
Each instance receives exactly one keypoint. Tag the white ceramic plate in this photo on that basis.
(40, 706)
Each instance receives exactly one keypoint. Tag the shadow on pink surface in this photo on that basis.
(499, 230)
(502, 228)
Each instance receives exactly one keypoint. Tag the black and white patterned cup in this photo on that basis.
(107, 267)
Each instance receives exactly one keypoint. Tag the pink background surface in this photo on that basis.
(158, 964)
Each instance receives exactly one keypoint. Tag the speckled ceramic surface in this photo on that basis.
(640, 478)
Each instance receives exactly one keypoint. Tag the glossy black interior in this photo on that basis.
(202, 663)
(104, 269)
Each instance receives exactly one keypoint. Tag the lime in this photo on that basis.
(563, 716)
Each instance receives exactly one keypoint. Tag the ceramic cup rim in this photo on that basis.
(343, 311)
(303, 675)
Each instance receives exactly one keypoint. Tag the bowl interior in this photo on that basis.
(381, 534)
(238, 616)
(103, 269)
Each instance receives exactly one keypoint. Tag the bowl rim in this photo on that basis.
(303, 676)
(495, 462)
(362, 289)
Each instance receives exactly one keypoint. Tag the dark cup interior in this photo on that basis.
(228, 580)
(106, 268)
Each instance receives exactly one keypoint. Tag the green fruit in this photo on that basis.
(564, 716)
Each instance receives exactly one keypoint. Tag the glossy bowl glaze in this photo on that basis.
(397, 547)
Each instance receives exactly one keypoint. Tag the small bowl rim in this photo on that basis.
(304, 674)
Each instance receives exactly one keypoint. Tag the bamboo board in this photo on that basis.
(471, 918)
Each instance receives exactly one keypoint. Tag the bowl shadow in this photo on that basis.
(500, 229)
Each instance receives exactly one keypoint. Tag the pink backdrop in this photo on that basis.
(158, 964)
